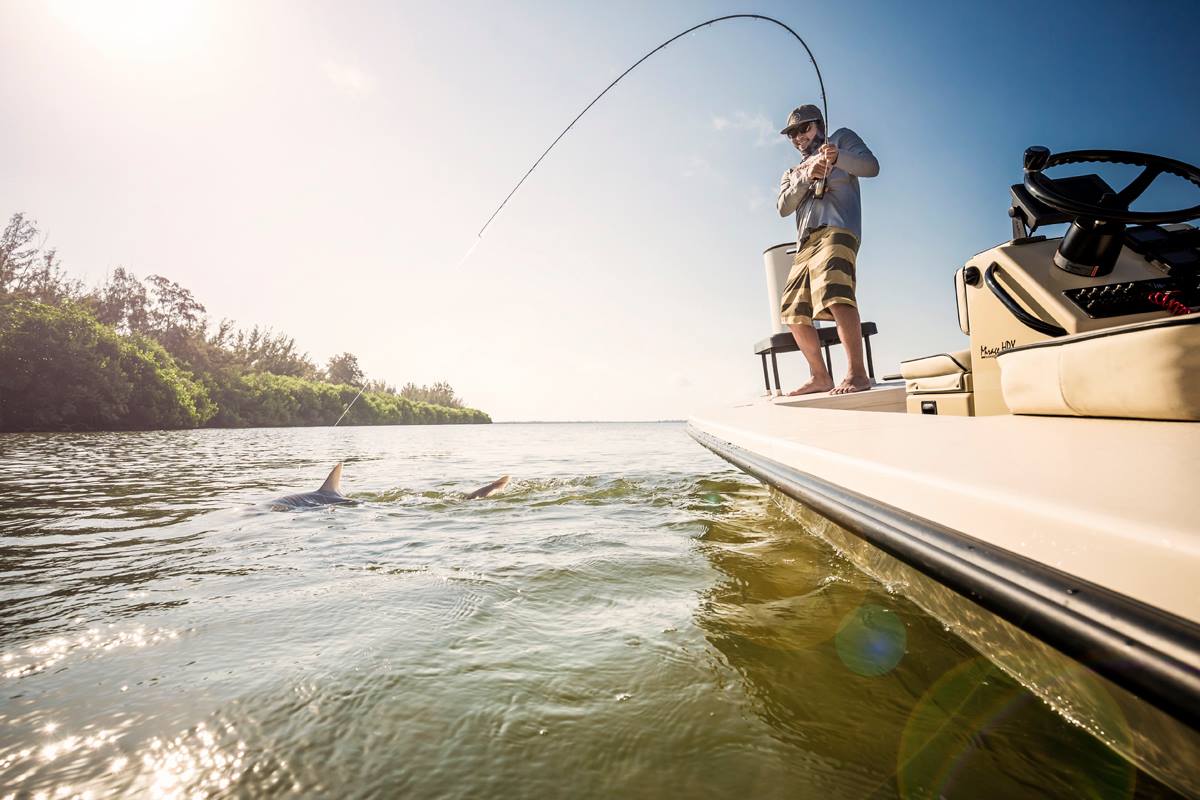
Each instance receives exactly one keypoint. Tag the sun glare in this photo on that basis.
(155, 29)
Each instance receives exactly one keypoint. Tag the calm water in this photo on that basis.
(632, 618)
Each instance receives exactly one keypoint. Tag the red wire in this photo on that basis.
(1167, 300)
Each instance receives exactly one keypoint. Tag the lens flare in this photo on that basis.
(946, 749)
(871, 640)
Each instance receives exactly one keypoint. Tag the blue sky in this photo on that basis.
(323, 168)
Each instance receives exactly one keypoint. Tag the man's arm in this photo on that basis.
(854, 156)
(792, 189)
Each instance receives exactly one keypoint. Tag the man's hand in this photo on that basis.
(813, 168)
(820, 163)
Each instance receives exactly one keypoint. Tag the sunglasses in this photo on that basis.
(803, 129)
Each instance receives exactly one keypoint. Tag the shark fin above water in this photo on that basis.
(334, 481)
(328, 495)
(490, 489)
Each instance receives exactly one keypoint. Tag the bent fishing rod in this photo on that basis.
(772, 20)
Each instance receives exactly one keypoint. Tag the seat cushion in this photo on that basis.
(955, 382)
(1149, 370)
(936, 365)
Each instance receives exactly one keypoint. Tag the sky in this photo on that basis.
(323, 169)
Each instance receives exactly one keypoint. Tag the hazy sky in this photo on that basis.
(322, 168)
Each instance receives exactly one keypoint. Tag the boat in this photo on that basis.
(1031, 487)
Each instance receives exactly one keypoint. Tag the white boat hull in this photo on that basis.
(1071, 566)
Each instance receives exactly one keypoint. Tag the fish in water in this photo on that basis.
(330, 493)
(490, 489)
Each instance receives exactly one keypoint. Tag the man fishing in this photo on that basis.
(822, 191)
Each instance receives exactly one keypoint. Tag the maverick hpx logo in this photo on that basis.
(992, 352)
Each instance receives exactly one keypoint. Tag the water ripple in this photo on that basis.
(630, 617)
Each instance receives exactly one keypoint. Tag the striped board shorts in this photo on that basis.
(822, 275)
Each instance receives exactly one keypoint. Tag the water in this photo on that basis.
(631, 618)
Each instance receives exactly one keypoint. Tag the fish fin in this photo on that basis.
(491, 488)
(333, 482)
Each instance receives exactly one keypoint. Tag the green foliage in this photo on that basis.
(261, 350)
(137, 355)
(439, 394)
(28, 271)
(165, 394)
(60, 369)
(122, 302)
(344, 368)
(264, 399)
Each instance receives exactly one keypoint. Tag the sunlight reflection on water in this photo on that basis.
(41, 656)
(631, 616)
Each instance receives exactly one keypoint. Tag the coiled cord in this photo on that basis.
(1168, 301)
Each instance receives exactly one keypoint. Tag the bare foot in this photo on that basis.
(814, 386)
(853, 383)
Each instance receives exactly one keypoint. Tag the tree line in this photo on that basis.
(135, 354)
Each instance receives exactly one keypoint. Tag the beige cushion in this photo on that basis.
(955, 382)
(944, 372)
(1150, 370)
(940, 364)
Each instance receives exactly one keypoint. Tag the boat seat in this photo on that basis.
(1147, 370)
(942, 372)
(786, 343)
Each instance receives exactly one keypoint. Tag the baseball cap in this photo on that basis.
(805, 113)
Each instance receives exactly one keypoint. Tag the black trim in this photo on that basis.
(1149, 652)
(1014, 308)
(970, 277)
(1182, 319)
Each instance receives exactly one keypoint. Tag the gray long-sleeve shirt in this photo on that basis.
(842, 204)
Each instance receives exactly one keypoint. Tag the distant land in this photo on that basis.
(588, 421)
(142, 355)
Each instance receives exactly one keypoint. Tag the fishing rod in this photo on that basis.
(824, 104)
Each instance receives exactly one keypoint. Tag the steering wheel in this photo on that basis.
(1111, 207)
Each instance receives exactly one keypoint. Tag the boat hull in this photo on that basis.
(1122, 668)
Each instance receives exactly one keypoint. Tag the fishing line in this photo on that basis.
(772, 20)
(352, 402)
